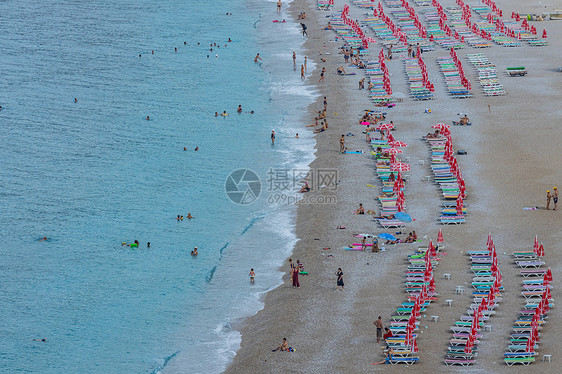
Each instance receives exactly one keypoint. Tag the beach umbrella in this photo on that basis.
(440, 237)
(400, 166)
(384, 126)
(530, 348)
(386, 236)
(441, 126)
(540, 251)
(548, 275)
(459, 205)
(398, 144)
(536, 244)
(404, 217)
(432, 285)
(393, 151)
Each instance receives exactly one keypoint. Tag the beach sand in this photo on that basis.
(512, 160)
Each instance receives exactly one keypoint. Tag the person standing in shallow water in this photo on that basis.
(272, 137)
(340, 279)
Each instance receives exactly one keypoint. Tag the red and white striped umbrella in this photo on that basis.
(441, 126)
(394, 151)
(400, 166)
(398, 144)
(385, 126)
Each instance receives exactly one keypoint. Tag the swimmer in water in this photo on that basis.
(251, 112)
(139, 55)
(239, 110)
(257, 58)
(148, 118)
(184, 43)
(75, 100)
(224, 113)
(175, 49)
(252, 275)
(185, 148)
(178, 218)
(43, 239)
(216, 114)
(229, 40)
(153, 51)
(148, 245)
(189, 216)
(40, 340)
(181, 218)
(196, 149)
(194, 252)
(297, 136)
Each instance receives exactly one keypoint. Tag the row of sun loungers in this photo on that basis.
(536, 287)
(462, 348)
(487, 74)
(420, 286)
(453, 78)
(435, 30)
(420, 86)
(466, 34)
(446, 174)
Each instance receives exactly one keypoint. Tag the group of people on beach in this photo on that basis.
(553, 196)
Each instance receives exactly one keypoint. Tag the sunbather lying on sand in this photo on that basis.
(341, 70)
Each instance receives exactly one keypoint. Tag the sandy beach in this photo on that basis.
(512, 159)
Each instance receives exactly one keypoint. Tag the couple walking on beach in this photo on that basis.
(553, 196)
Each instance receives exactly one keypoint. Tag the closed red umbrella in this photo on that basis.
(548, 275)
(440, 237)
(540, 251)
(459, 205)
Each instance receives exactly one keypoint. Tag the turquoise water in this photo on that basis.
(92, 174)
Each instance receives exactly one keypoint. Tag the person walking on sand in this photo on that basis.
(272, 137)
(340, 279)
(304, 29)
(363, 244)
(379, 325)
(325, 103)
(257, 58)
(548, 197)
(555, 197)
(342, 143)
(303, 77)
(322, 75)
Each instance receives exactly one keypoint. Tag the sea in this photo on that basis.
(81, 165)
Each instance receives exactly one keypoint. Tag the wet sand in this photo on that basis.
(512, 160)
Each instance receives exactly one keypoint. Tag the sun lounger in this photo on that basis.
(458, 361)
(519, 360)
(404, 360)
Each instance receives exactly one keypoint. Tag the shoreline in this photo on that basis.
(333, 332)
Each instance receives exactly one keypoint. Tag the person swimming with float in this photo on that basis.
(194, 252)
